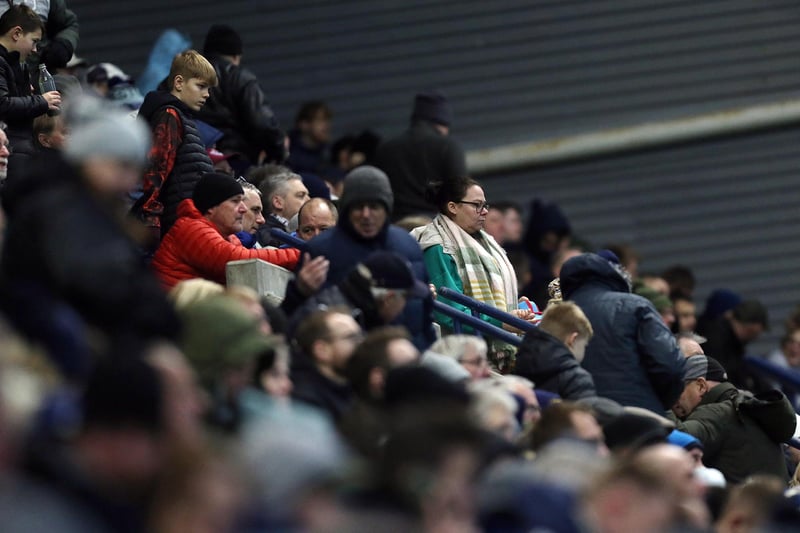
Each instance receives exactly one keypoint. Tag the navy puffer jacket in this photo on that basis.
(633, 357)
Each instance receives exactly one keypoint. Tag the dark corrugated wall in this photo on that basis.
(726, 207)
(530, 70)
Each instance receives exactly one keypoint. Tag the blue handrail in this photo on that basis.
(460, 317)
(291, 240)
(787, 376)
(485, 309)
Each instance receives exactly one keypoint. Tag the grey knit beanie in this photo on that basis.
(366, 184)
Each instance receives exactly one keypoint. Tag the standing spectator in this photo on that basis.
(633, 357)
(309, 139)
(729, 335)
(60, 36)
(238, 106)
(178, 157)
(548, 233)
(461, 256)
(421, 155)
(20, 31)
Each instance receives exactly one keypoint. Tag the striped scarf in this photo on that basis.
(485, 271)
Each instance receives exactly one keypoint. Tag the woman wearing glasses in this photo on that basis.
(461, 256)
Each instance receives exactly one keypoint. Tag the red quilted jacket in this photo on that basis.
(194, 248)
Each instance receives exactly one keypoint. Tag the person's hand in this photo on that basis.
(432, 287)
(524, 314)
(53, 99)
(312, 274)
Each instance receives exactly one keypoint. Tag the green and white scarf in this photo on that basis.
(485, 271)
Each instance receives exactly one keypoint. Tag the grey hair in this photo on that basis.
(455, 345)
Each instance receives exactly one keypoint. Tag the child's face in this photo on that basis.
(193, 92)
(26, 43)
(57, 138)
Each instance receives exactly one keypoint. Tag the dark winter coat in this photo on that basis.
(547, 361)
(741, 434)
(18, 105)
(633, 356)
(77, 256)
(414, 159)
(238, 107)
(311, 387)
(353, 293)
(344, 248)
(191, 160)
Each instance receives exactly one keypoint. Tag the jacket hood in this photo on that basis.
(187, 209)
(591, 269)
(772, 411)
(540, 355)
(155, 100)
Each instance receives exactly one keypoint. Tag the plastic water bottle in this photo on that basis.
(46, 84)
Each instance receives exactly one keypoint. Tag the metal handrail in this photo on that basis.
(486, 309)
(460, 317)
(286, 238)
(786, 376)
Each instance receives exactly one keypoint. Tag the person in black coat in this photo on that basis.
(633, 356)
(550, 355)
(238, 106)
(422, 154)
(69, 263)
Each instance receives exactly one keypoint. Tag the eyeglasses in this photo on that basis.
(479, 206)
(479, 362)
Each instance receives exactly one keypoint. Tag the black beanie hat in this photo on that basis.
(222, 39)
(432, 106)
(366, 184)
(213, 189)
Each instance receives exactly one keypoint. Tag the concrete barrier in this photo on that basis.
(265, 278)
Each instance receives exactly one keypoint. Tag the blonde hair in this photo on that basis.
(561, 319)
(190, 64)
(193, 290)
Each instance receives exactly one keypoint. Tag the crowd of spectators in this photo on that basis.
(140, 392)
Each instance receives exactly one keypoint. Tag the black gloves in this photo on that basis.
(56, 54)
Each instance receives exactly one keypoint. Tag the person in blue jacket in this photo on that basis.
(633, 357)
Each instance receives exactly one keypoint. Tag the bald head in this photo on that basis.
(316, 215)
(690, 347)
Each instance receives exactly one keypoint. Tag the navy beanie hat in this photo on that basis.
(433, 107)
(222, 39)
(213, 189)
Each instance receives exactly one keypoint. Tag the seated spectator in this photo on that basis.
(222, 341)
(325, 341)
(568, 420)
(470, 351)
(493, 408)
(685, 314)
(751, 505)
(49, 132)
(253, 218)
(198, 246)
(660, 301)
(741, 434)
(376, 292)
(316, 216)
(271, 374)
(364, 228)
(282, 193)
(551, 354)
(459, 255)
